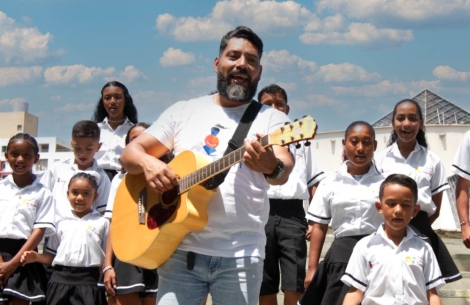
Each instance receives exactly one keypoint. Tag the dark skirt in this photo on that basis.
(449, 270)
(28, 282)
(326, 287)
(74, 286)
(131, 279)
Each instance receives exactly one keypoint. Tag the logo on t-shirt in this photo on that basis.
(211, 141)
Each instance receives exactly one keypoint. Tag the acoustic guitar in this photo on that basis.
(148, 227)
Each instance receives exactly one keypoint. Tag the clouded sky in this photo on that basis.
(339, 60)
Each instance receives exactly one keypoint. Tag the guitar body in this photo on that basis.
(149, 239)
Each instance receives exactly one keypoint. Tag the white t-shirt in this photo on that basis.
(346, 204)
(461, 164)
(239, 210)
(306, 173)
(113, 142)
(112, 194)
(57, 180)
(422, 165)
(79, 242)
(23, 209)
(388, 274)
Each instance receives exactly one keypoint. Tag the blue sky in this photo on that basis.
(339, 60)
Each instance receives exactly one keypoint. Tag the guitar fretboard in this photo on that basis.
(215, 167)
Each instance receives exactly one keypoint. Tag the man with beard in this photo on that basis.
(225, 258)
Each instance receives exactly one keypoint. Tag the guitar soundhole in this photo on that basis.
(160, 213)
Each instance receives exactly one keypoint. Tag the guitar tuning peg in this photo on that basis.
(296, 120)
(298, 145)
(307, 143)
(304, 116)
(286, 123)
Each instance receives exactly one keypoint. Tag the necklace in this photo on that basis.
(116, 121)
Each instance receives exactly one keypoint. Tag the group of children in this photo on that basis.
(64, 209)
(376, 257)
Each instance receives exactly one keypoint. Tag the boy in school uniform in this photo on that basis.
(394, 265)
(85, 143)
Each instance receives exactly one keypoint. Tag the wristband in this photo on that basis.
(107, 268)
(463, 223)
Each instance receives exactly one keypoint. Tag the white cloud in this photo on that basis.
(287, 86)
(75, 107)
(59, 75)
(387, 87)
(321, 100)
(209, 81)
(448, 73)
(128, 75)
(20, 44)
(342, 73)
(176, 57)
(11, 102)
(266, 17)
(359, 34)
(56, 98)
(396, 11)
(283, 61)
(19, 75)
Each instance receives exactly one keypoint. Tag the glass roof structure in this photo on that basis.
(436, 110)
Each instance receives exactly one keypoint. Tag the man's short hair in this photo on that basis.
(402, 180)
(86, 129)
(272, 90)
(245, 33)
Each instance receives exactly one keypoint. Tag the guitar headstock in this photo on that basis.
(296, 131)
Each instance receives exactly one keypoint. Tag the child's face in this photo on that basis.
(84, 150)
(21, 157)
(360, 146)
(135, 132)
(397, 206)
(406, 122)
(81, 195)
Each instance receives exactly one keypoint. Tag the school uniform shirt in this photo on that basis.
(461, 164)
(238, 212)
(113, 142)
(390, 274)
(79, 242)
(112, 194)
(305, 174)
(57, 180)
(422, 165)
(346, 204)
(23, 209)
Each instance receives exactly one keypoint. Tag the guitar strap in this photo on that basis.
(237, 140)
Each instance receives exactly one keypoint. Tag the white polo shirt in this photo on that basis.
(422, 165)
(112, 194)
(113, 142)
(57, 180)
(79, 242)
(23, 209)
(346, 204)
(388, 274)
(305, 174)
(461, 164)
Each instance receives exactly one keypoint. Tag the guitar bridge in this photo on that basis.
(142, 205)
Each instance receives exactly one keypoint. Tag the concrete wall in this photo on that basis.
(11, 120)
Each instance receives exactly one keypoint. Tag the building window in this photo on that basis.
(44, 147)
(4, 165)
(4, 149)
(19, 128)
(41, 166)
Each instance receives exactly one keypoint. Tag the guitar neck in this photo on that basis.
(216, 167)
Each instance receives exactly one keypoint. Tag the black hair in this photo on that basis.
(245, 33)
(27, 138)
(86, 176)
(141, 124)
(421, 136)
(272, 90)
(129, 108)
(351, 126)
(86, 129)
(402, 180)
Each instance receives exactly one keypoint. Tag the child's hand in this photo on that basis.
(110, 281)
(29, 257)
(6, 270)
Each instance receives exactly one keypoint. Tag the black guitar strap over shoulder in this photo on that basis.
(237, 140)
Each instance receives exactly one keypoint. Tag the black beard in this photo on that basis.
(236, 92)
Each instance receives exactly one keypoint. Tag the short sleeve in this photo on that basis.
(432, 273)
(45, 213)
(439, 180)
(104, 187)
(319, 209)
(461, 164)
(47, 179)
(52, 244)
(105, 235)
(112, 195)
(357, 269)
(314, 172)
